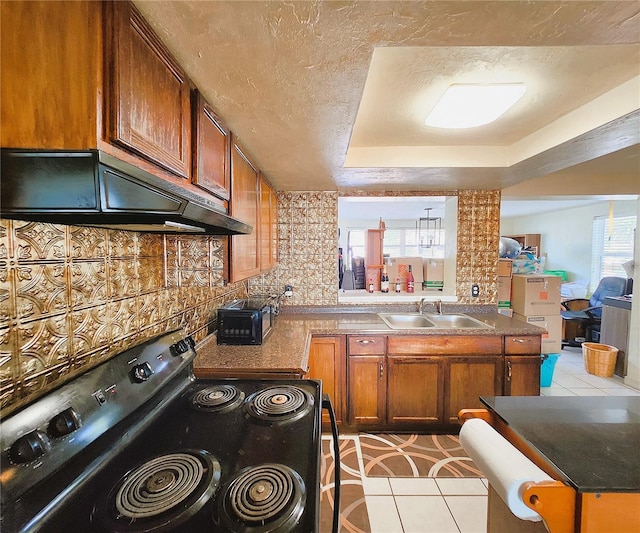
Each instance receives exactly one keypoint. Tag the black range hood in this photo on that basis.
(91, 188)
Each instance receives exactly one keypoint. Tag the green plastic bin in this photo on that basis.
(561, 273)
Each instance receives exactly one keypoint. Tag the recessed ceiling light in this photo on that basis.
(470, 105)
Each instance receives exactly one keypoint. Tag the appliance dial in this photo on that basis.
(63, 423)
(190, 341)
(29, 447)
(180, 347)
(141, 372)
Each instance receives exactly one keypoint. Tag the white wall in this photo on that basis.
(565, 236)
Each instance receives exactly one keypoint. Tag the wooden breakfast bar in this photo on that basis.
(588, 446)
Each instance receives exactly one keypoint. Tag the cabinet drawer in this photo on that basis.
(366, 344)
(432, 344)
(522, 344)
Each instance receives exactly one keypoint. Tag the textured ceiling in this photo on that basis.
(312, 86)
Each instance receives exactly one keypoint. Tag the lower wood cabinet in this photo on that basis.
(389, 382)
(522, 375)
(522, 363)
(367, 390)
(468, 378)
(415, 390)
(326, 363)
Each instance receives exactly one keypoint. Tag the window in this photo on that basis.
(611, 247)
(398, 242)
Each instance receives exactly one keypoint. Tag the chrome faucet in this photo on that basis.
(421, 306)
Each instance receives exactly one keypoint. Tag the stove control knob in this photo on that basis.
(63, 423)
(180, 347)
(141, 372)
(29, 447)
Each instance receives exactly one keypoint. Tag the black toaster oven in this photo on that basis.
(247, 321)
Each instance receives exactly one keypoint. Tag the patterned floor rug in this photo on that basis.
(391, 455)
(353, 508)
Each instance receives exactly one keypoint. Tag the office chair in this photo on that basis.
(587, 314)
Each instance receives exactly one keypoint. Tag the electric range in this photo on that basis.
(137, 444)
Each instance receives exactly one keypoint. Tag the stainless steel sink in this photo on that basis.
(406, 320)
(456, 321)
(422, 321)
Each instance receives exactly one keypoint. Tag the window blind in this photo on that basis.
(611, 247)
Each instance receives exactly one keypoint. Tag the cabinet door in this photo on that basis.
(244, 257)
(522, 375)
(212, 150)
(150, 105)
(468, 378)
(414, 390)
(326, 363)
(50, 71)
(268, 226)
(367, 390)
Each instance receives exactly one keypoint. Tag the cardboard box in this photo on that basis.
(504, 292)
(433, 273)
(505, 268)
(552, 340)
(398, 267)
(535, 295)
(506, 312)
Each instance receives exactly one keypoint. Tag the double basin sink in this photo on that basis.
(424, 320)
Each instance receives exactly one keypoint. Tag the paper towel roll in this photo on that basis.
(506, 468)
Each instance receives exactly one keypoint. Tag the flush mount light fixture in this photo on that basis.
(470, 105)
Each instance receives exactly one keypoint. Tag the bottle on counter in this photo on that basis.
(398, 285)
(370, 284)
(384, 280)
(410, 281)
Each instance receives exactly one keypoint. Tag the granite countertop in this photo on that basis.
(286, 349)
(591, 441)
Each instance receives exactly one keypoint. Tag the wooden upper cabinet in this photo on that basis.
(50, 69)
(211, 148)
(245, 185)
(268, 226)
(150, 107)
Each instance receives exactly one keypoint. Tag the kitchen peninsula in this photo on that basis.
(416, 376)
(587, 444)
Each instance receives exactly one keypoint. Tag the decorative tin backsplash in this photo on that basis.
(478, 245)
(71, 297)
(308, 248)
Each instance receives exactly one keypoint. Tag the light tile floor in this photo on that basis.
(401, 505)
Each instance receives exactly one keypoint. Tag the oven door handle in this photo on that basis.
(326, 404)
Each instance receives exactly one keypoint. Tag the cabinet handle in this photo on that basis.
(508, 370)
(521, 340)
(381, 369)
(363, 341)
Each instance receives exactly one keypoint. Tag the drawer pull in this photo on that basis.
(364, 341)
(521, 340)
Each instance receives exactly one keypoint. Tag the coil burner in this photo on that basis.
(162, 492)
(269, 497)
(217, 398)
(282, 403)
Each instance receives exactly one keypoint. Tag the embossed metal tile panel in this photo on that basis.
(71, 297)
(308, 247)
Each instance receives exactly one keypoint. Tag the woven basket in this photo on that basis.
(599, 359)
